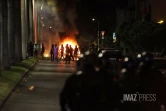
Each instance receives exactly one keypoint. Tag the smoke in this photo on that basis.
(64, 13)
(67, 9)
(59, 17)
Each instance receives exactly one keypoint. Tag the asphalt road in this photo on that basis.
(39, 90)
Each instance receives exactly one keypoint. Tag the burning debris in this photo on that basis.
(69, 41)
(57, 18)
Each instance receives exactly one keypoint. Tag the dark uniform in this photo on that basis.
(71, 53)
(52, 52)
(43, 50)
(76, 52)
(67, 54)
(62, 51)
(87, 89)
(151, 81)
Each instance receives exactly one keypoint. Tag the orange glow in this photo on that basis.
(46, 55)
(68, 41)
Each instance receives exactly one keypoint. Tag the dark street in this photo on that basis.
(119, 45)
(39, 90)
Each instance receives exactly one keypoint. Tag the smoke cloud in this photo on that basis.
(64, 12)
(58, 21)
(68, 17)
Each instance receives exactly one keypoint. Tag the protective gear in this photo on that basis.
(129, 63)
(147, 59)
(89, 61)
(104, 58)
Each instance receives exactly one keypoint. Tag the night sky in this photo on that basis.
(159, 13)
(103, 10)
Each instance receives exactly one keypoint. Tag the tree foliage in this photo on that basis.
(159, 37)
(136, 36)
(84, 40)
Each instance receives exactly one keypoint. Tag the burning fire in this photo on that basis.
(71, 42)
(46, 55)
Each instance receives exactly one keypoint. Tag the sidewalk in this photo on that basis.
(39, 89)
(10, 78)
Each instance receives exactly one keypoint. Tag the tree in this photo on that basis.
(122, 35)
(84, 40)
(158, 37)
(5, 38)
(11, 31)
(107, 41)
(135, 36)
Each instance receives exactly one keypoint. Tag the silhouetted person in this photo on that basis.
(151, 81)
(56, 52)
(31, 49)
(68, 97)
(43, 50)
(28, 49)
(71, 53)
(62, 51)
(76, 52)
(52, 52)
(36, 48)
(82, 49)
(128, 83)
(86, 90)
(67, 58)
(92, 48)
(107, 74)
(96, 48)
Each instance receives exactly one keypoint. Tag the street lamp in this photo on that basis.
(98, 32)
(160, 22)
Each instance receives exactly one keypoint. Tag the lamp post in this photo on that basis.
(160, 22)
(98, 31)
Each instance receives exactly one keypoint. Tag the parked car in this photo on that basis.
(116, 59)
(115, 55)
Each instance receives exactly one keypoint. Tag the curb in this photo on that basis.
(24, 74)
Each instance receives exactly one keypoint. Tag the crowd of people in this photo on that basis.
(33, 49)
(95, 87)
(67, 53)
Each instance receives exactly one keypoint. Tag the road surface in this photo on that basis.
(39, 90)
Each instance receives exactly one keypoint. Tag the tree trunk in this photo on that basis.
(30, 7)
(24, 28)
(5, 37)
(11, 26)
(1, 40)
(18, 39)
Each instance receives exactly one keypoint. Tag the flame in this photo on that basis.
(71, 42)
(46, 55)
